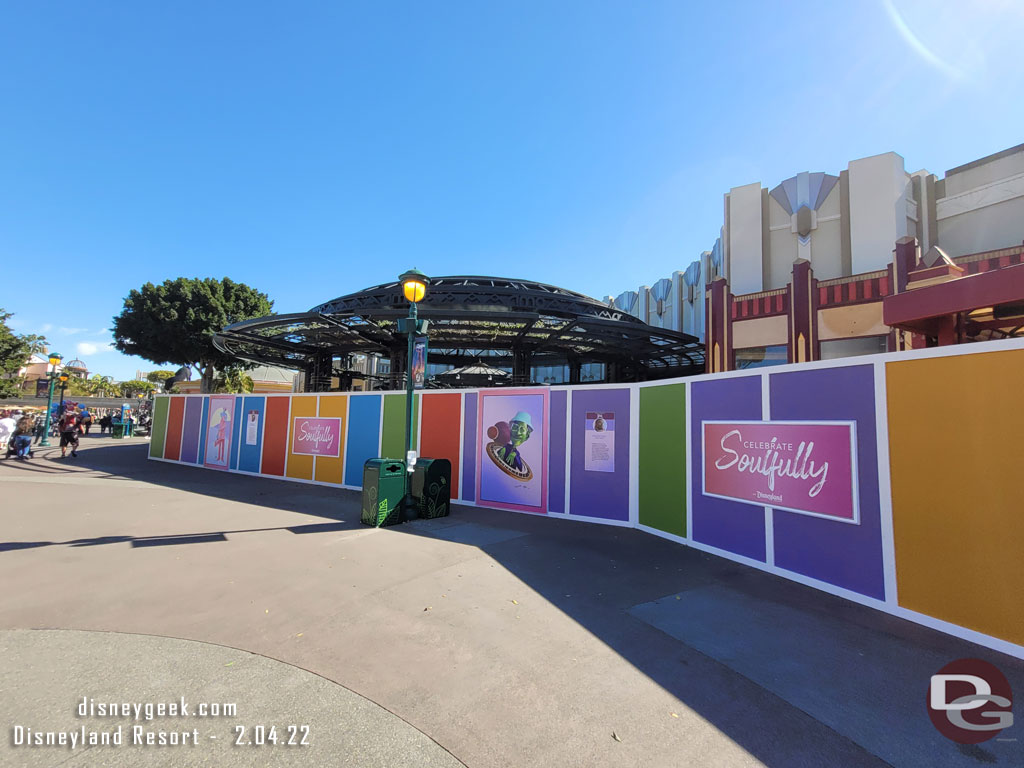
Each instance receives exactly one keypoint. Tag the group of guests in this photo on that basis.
(17, 429)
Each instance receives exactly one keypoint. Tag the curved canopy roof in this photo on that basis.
(470, 318)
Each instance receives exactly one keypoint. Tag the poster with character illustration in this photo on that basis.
(513, 449)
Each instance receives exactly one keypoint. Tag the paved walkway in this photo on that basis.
(490, 638)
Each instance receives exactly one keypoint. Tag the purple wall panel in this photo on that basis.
(848, 556)
(556, 451)
(599, 494)
(469, 447)
(728, 525)
(190, 430)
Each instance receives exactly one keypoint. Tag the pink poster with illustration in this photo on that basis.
(809, 467)
(218, 432)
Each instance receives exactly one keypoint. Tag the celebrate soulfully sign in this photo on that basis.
(800, 466)
(316, 437)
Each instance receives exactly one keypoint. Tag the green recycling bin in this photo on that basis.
(383, 489)
(117, 430)
(432, 487)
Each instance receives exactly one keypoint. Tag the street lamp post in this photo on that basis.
(63, 383)
(414, 286)
(54, 360)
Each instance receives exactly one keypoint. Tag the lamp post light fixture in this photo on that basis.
(63, 384)
(54, 360)
(414, 287)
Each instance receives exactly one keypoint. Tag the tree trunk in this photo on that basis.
(206, 385)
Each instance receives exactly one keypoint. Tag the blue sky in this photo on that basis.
(313, 149)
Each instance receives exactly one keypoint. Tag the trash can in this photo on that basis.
(383, 489)
(117, 430)
(432, 487)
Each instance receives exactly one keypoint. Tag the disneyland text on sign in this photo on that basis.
(806, 467)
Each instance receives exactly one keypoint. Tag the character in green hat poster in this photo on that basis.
(513, 449)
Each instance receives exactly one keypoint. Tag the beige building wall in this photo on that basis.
(782, 246)
(988, 228)
(985, 171)
(981, 207)
(879, 189)
(826, 239)
(760, 332)
(744, 239)
(851, 321)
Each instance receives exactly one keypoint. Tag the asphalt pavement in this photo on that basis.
(487, 638)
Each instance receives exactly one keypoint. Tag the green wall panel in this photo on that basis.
(663, 458)
(159, 428)
(392, 445)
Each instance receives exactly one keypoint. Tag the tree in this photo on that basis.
(174, 322)
(36, 344)
(80, 387)
(135, 386)
(159, 378)
(102, 385)
(234, 380)
(15, 351)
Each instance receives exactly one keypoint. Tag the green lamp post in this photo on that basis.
(414, 287)
(54, 360)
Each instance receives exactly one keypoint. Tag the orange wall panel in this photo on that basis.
(175, 418)
(442, 430)
(300, 466)
(328, 469)
(955, 426)
(275, 435)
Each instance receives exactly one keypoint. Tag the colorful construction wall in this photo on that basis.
(890, 480)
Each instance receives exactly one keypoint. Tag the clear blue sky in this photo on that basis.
(313, 149)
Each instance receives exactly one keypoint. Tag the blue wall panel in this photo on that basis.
(203, 426)
(363, 435)
(237, 434)
(249, 455)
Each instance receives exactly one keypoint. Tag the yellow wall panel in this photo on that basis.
(956, 448)
(300, 466)
(329, 470)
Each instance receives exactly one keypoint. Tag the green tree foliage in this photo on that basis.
(77, 387)
(103, 386)
(234, 380)
(159, 378)
(15, 351)
(174, 322)
(135, 386)
(36, 344)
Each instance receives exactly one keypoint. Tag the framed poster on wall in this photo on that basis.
(219, 432)
(599, 442)
(807, 467)
(512, 442)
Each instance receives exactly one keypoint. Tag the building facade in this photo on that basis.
(801, 270)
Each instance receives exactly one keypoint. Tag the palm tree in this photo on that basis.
(102, 385)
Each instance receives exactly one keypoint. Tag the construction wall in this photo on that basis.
(890, 480)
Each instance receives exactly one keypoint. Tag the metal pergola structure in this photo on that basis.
(502, 322)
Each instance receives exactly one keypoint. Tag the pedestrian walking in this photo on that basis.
(86, 421)
(69, 432)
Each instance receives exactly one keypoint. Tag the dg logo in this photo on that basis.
(970, 701)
